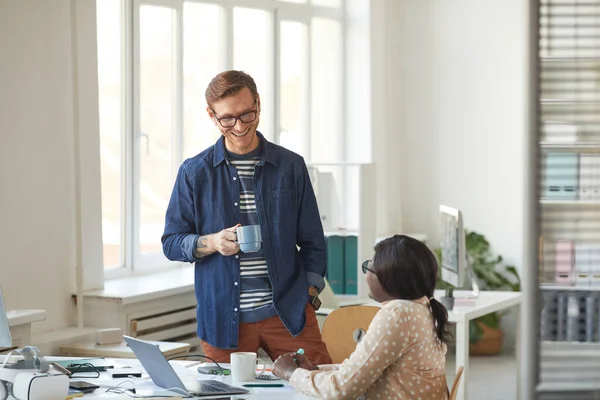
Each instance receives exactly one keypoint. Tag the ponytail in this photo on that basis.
(440, 314)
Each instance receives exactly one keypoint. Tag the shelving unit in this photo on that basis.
(346, 197)
(570, 197)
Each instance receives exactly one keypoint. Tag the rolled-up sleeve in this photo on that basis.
(180, 237)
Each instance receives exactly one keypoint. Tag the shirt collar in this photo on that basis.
(220, 153)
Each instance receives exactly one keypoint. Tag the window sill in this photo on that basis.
(136, 289)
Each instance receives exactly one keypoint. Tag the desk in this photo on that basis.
(185, 369)
(20, 322)
(487, 302)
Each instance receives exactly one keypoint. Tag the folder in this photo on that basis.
(561, 176)
(586, 176)
(594, 259)
(351, 264)
(590, 318)
(561, 317)
(573, 318)
(582, 263)
(77, 365)
(595, 177)
(335, 263)
(548, 316)
(564, 261)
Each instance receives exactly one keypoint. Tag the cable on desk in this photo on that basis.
(221, 372)
(76, 368)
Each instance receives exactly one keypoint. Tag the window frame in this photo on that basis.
(280, 11)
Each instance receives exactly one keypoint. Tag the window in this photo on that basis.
(155, 59)
(112, 113)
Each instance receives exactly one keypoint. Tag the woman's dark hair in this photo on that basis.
(407, 270)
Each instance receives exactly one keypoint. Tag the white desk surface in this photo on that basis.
(486, 303)
(187, 371)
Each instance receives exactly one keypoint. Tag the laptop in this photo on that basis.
(163, 375)
(5, 337)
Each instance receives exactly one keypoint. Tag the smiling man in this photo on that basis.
(259, 299)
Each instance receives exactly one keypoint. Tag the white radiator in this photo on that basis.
(177, 325)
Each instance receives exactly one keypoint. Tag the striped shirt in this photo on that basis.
(256, 294)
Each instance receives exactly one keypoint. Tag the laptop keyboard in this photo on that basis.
(203, 388)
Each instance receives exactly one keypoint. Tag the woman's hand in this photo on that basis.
(285, 366)
(302, 362)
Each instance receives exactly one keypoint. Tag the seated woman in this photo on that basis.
(402, 355)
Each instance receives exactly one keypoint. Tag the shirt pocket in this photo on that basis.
(282, 205)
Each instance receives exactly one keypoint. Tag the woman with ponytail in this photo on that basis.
(403, 354)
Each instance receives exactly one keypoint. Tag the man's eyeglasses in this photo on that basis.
(230, 121)
(365, 266)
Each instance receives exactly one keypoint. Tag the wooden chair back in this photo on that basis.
(340, 326)
(456, 384)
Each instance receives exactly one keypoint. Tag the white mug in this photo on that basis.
(243, 366)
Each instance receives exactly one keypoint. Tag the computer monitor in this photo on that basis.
(5, 337)
(454, 252)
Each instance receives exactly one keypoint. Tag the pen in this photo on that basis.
(263, 385)
(299, 351)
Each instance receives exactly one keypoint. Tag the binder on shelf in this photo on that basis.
(582, 264)
(586, 176)
(583, 280)
(351, 264)
(573, 318)
(561, 317)
(594, 274)
(595, 177)
(561, 174)
(564, 262)
(335, 263)
(548, 316)
(594, 263)
(590, 318)
(560, 132)
(583, 258)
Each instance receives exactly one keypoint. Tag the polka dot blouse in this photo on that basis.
(400, 357)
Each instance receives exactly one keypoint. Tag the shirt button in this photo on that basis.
(237, 256)
(235, 283)
(235, 178)
(235, 309)
(235, 204)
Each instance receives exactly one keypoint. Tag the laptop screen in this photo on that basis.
(5, 338)
(154, 362)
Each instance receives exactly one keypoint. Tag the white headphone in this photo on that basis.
(31, 355)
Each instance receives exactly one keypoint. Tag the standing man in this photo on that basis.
(262, 299)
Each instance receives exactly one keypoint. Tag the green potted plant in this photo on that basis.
(492, 274)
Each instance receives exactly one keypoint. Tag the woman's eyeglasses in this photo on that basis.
(365, 266)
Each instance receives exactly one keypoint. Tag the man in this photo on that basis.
(248, 301)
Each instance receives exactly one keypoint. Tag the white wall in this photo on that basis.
(44, 103)
(459, 90)
(456, 114)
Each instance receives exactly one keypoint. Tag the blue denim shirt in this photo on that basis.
(206, 200)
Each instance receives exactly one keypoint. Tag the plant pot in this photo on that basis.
(490, 342)
(447, 302)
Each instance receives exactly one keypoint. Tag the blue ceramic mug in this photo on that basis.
(249, 238)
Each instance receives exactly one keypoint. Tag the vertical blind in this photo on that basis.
(569, 50)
